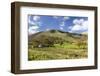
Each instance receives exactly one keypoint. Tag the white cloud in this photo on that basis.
(61, 28)
(85, 25)
(39, 23)
(76, 28)
(36, 18)
(33, 30)
(62, 23)
(79, 25)
(34, 27)
(35, 22)
(31, 22)
(78, 21)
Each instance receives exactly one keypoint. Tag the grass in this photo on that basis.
(57, 45)
(66, 51)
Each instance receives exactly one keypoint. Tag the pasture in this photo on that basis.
(66, 51)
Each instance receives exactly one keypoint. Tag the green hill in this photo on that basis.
(66, 36)
(64, 45)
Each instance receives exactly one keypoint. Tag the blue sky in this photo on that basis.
(73, 24)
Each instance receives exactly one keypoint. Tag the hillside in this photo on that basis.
(70, 37)
(55, 44)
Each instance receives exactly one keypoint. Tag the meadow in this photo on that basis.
(66, 51)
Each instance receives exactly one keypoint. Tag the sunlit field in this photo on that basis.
(64, 52)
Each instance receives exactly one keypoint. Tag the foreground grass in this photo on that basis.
(49, 53)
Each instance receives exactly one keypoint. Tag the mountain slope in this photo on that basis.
(55, 44)
(66, 36)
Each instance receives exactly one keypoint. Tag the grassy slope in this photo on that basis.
(58, 53)
(66, 51)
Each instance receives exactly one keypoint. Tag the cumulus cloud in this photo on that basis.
(61, 28)
(30, 21)
(76, 28)
(62, 23)
(78, 21)
(34, 27)
(36, 18)
(79, 25)
(35, 22)
(33, 30)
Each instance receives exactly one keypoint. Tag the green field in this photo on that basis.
(56, 53)
(57, 45)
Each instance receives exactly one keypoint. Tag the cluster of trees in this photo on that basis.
(45, 41)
